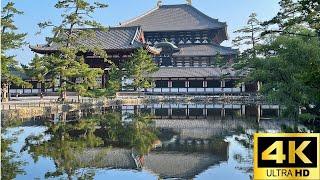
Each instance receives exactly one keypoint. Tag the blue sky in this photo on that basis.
(234, 12)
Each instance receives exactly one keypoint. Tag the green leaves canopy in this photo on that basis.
(138, 67)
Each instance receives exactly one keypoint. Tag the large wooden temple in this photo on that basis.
(183, 41)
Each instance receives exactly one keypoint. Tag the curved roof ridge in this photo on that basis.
(203, 14)
(138, 17)
(175, 18)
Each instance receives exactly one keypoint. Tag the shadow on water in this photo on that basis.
(183, 141)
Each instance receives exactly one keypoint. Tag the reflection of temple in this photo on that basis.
(166, 164)
(205, 111)
(192, 137)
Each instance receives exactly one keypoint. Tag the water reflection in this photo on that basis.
(168, 140)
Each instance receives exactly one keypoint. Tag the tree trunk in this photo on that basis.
(63, 94)
(41, 91)
(5, 92)
(78, 97)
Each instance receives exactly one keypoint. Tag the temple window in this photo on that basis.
(213, 83)
(161, 84)
(230, 83)
(178, 84)
(195, 84)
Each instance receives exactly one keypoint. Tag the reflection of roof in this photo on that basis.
(106, 157)
(191, 72)
(164, 164)
(179, 17)
(204, 50)
(179, 165)
(114, 38)
(201, 129)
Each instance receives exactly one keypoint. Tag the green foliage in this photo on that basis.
(141, 134)
(250, 34)
(292, 13)
(288, 63)
(63, 146)
(288, 68)
(114, 83)
(69, 63)
(10, 39)
(10, 167)
(37, 69)
(69, 140)
(140, 65)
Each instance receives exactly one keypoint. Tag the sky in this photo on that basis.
(234, 12)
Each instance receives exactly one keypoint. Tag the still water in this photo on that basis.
(152, 141)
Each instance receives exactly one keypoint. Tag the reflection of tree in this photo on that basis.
(141, 134)
(9, 168)
(64, 141)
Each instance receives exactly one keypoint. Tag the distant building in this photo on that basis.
(184, 43)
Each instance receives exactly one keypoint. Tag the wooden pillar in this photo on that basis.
(187, 111)
(205, 112)
(170, 112)
(243, 87)
(169, 83)
(259, 86)
(222, 83)
(103, 81)
(187, 84)
(223, 112)
(205, 83)
(243, 110)
(259, 113)
(153, 111)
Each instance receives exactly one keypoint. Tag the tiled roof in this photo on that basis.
(192, 72)
(113, 38)
(186, 165)
(204, 50)
(175, 18)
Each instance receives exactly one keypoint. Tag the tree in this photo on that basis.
(138, 67)
(292, 13)
(69, 62)
(288, 68)
(38, 70)
(288, 63)
(114, 82)
(9, 168)
(250, 34)
(10, 39)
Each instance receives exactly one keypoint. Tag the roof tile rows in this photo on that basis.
(180, 17)
(204, 50)
(111, 39)
(192, 72)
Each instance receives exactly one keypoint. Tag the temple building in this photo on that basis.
(184, 43)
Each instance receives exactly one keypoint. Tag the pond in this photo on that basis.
(151, 141)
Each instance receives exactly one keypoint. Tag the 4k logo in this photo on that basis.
(286, 156)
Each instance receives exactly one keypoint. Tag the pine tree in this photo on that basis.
(76, 18)
(38, 70)
(293, 13)
(114, 82)
(138, 67)
(10, 39)
(250, 34)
